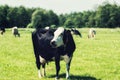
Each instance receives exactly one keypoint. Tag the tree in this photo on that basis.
(37, 20)
(22, 17)
(91, 20)
(53, 18)
(78, 22)
(12, 17)
(3, 14)
(42, 18)
(69, 23)
(62, 19)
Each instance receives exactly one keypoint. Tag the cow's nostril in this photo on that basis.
(53, 43)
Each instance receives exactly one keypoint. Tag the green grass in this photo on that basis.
(94, 59)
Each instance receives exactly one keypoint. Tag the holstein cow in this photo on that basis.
(91, 33)
(53, 44)
(15, 31)
(76, 32)
(2, 30)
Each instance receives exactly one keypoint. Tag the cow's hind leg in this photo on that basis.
(38, 64)
(44, 72)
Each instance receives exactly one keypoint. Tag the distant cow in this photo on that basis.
(91, 33)
(76, 32)
(53, 44)
(15, 31)
(2, 30)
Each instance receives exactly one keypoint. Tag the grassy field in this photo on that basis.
(94, 59)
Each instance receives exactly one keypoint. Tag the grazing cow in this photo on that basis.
(15, 31)
(91, 33)
(53, 44)
(2, 30)
(76, 32)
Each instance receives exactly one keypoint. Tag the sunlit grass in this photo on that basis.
(93, 59)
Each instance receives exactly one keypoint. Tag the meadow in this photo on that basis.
(93, 59)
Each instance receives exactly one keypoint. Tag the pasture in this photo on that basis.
(94, 59)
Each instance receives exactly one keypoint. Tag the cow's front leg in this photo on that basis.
(67, 70)
(57, 63)
(68, 62)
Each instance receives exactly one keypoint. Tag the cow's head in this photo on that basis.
(57, 40)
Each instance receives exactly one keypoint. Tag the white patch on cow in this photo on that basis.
(39, 74)
(42, 60)
(58, 38)
(91, 33)
(44, 72)
(66, 58)
(67, 74)
(14, 30)
(47, 28)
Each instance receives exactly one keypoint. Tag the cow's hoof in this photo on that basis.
(40, 76)
(56, 78)
(44, 75)
(68, 78)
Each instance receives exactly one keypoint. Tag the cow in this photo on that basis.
(15, 31)
(53, 44)
(2, 30)
(91, 33)
(76, 32)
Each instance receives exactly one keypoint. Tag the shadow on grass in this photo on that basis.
(76, 77)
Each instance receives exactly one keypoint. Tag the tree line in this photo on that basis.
(104, 16)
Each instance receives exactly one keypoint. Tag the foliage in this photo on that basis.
(30, 25)
(3, 14)
(17, 16)
(108, 16)
(43, 18)
(104, 16)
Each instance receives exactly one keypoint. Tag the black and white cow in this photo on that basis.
(15, 31)
(2, 30)
(91, 33)
(53, 44)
